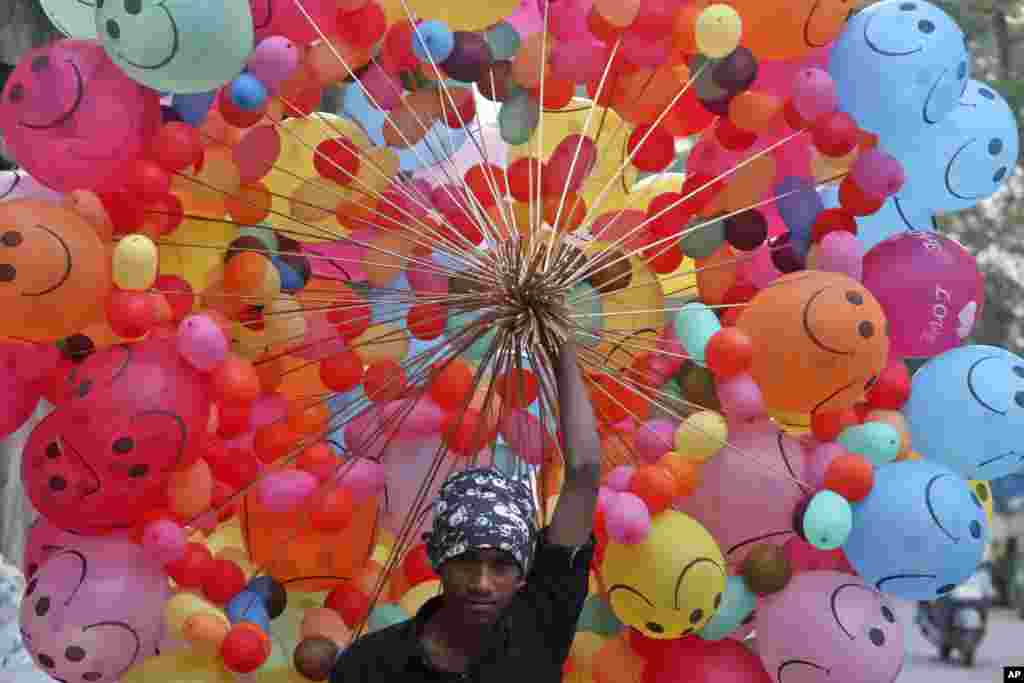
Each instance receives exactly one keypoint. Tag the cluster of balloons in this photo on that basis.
(266, 330)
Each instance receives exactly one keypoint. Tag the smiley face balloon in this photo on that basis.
(73, 18)
(792, 29)
(73, 120)
(102, 459)
(180, 46)
(846, 631)
(93, 608)
(669, 585)
(918, 533)
(966, 411)
(54, 271)
(820, 338)
(899, 66)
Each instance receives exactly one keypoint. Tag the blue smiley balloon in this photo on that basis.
(178, 46)
(966, 411)
(899, 66)
(919, 533)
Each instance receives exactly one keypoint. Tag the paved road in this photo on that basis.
(1003, 645)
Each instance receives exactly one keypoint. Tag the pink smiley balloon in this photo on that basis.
(828, 626)
(93, 608)
(73, 119)
(749, 490)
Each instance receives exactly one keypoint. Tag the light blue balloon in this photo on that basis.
(597, 617)
(291, 280)
(433, 40)
(827, 520)
(966, 411)
(248, 92)
(898, 67)
(457, 323)
(738, 603)
(964, 158)
(193, 108)
(918, 533)
(181, 46)
(503, 40)
(248, 606)
(695, 325)
(799, 205)
(384, 615)
(518, 118)
(877, 441)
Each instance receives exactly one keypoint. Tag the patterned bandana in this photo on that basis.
(482, 508)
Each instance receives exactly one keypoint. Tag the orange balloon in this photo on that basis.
(754, 111)
(717, 274)
(820, 339)
(251, 204)
(787, 30)
(54, 274)
(304, 558)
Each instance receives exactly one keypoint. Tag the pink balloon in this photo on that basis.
(103, 596)
(408, 467)
(339, 260)
(527, 20)
(758, 268)
(777, 76)
(877, 173)
(285, 490)
(103, 457)
(273, 61)
(845, 628)
(266, 409)
(73, 119)
(814, 93)
(284, 18)
(930, 289)
(618, 479)
(425, 281)
(841, 252)
(581, 59)
(654, 439)
(363, 478)
(627, 519)
(257, 152)
(604, 496)
(818, 461)
(23, 367)
(164, 540)
(382, 88)
(740, 398)
(423, 418)
(201, 342)
(764, 464)
(525, 435)
(321, 339)
(671, 354)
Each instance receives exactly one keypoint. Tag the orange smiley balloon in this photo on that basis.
(54, 271)
(776, 30)
(821, 340)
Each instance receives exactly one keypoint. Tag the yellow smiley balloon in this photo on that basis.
(669, 585)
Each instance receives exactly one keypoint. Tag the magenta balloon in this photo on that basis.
(103, 457)
(73, 119)
(740, 398)
(830, 622)
(841, 252)
(814, 93)
(363, 478)
(382, 88)
(102, 598)
(804, 557)
(423, 418)
(764, 464)
(527, 20)
(164, 540)
(877, 173)
(201, 342)
(618, 479)
(284, 18)
(777, 76)
(321, 339)
(757, 268)
(930, 289)
(818, 460)
(266, 409)
(285, 490)
(572, 161)
(341, 259)
(273, 61)
(653, 439)
(627, 518)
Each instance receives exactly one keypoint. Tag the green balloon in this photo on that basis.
(180, 46)
(695, 325)
(504, 40)
(263, 234)
(704, 241)
(73, 18)
(518, 118)
(384, 615)
(877, 441)
(738, 602)
(597, 617)
(456, 324)
(828, 520)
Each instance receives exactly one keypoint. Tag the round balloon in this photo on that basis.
(966, 411)
(73, 626)
(457, 14)
(820, 341)
(54, 271)
(938, 297)
(767, 465)
(780, 31)
(899, 67)
(284, 18)
(918, 533)
(104, 456)
(73, 18)
(73, 120)
(177, 45)
(846, 631)
(669, 585)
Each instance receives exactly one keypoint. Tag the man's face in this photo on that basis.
(481, 584)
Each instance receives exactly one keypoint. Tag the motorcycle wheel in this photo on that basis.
(969, 658)
(944, 652)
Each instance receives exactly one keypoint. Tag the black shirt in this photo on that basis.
(530, 642)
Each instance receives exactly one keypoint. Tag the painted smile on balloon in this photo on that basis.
(810, 333)
(1011, 454)
(878, 49)
(903, 214)
(928, 100)
(757, 539)
(896, 577)
(973, 391)
(931, 507)
(949, 174)
(175, 46)
(268, 17)
(15, 181)
(809, 28)
(67, 264)
(679, 583)
(66, 116)
(800, 662)
(825, 401)
(835, 611)
(84, 490)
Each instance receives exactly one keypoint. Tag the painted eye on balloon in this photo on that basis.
(7, 272)
(17, 93)
(888, 615)
(1019, 398)
(133, 7)
(995, 146)
(73, 653)
(11, 238)
(986, 93)
(999, 175)
(1019, 371)
(124, 445)
(908, 7)
(855, 298)
(877, 637)
(31, 588)
(53, 450)
(976, 529)
(925, 26)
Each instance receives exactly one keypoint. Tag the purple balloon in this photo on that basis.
(273, 61)
(930, 288)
